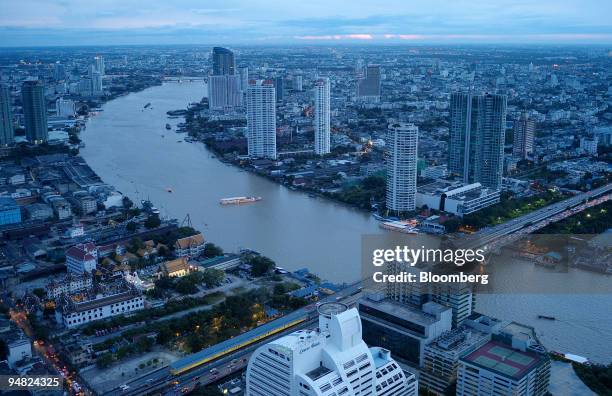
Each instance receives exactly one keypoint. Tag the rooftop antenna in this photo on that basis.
(186, 221)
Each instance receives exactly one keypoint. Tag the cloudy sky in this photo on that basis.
(108, 22)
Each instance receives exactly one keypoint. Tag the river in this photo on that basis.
(129, 147)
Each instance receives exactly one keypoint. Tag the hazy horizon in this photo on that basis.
(40, 23)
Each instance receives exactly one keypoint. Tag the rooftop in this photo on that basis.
(502, 359)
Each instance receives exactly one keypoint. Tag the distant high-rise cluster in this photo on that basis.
(477, 134)
(401, 144)
(524, 130)
(261, 119)
(7, 132)
(35, 111)
(322, 116)
(223, 61)
(368, 88)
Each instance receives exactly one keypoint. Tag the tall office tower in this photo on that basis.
(59, 72)
(332, 360)
(244, 78)
(477, 134)
(99, 65)
(34, 111)
(298, 82)
(7, 132)
(261, 119)
(368, 88)
(224, 92)
(512, 363)
(401, 148)
(223, 61)
(524, 130)
(280, 88)
(322, 116)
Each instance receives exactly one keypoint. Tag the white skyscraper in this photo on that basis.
(224, 92)
(261, 119)
(99, 64)
(332, 360)
(401, 147)
(322, 116)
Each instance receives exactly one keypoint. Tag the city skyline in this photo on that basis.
(33, 23)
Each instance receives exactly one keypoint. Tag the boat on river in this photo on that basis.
(238, 200)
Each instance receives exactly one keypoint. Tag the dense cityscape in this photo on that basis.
(479, 145)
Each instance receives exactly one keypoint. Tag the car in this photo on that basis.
(124, 387)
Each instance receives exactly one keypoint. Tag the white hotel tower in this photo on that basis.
(261, 119)
(332, 360)
(401, 144)
(322, 116)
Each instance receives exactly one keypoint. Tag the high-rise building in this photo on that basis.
(95, 77)
(401, 146)
(477, 134)
(99, 65)
(35, 111)
(298, 82)
(332, 360)
(223, 61)
(322, 116)
(403, 329)
(59, 72)
(224, 92)
(244, 78)
(261, 119)
(524, 130)
(65, 107)
(368, 87)
(279, 84)
(441, 357)
(7, 132)
(512, 363)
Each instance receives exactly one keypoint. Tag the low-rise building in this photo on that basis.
(70, 284)
(82, 258)
(456, 197)
(9, 211)
(175, 268)
(39, 211)
(119, 298)
(191, 246)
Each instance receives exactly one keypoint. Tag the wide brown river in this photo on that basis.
(130, 148)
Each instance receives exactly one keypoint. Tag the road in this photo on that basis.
(539, 218)
(163, 381)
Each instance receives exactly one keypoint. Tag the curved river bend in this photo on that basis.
(129, 147)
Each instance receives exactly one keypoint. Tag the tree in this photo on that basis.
(127, 202)
(39, 292)
(131, 226)
(212, 277)
(261, 265)
(105, 360)
(186, 285)
(212, 250)
(152, 221)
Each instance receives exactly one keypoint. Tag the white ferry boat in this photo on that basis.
(399, 226)
(238, 200)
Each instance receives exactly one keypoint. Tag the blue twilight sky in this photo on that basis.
(108, 22)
